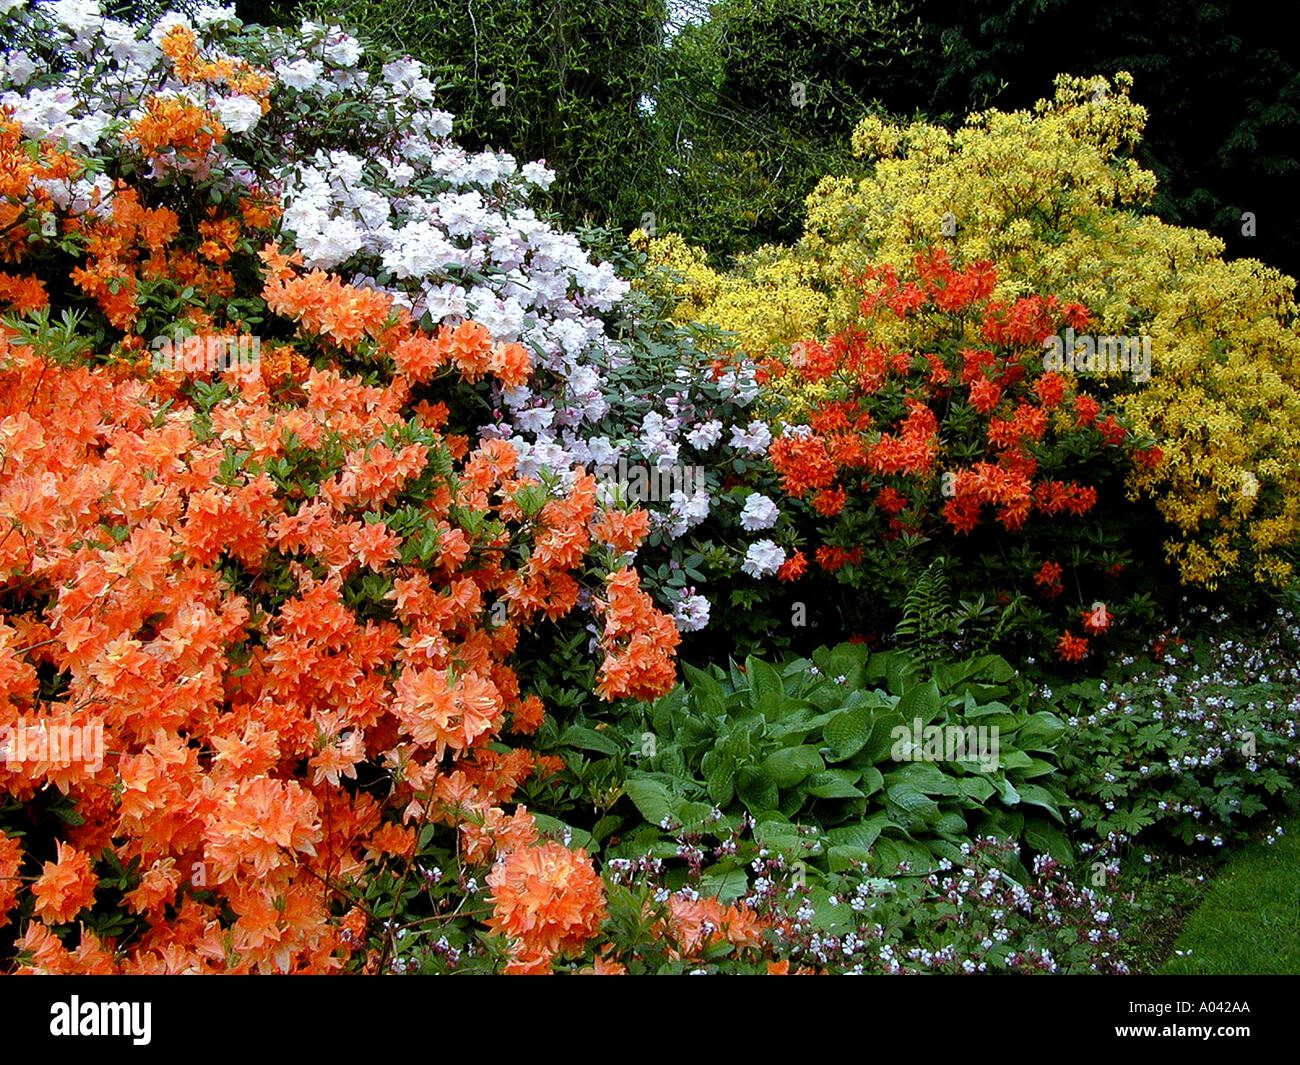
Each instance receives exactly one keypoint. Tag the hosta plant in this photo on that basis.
(848, 757)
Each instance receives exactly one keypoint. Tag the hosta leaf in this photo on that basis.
(1046, 837)
(790, 765)
(756, 790)
(921, 701)
(727, 886)
(925, 777)
(1036, 795)
(1040, 732)
(706, 692)
(847, 732)
(834, 784)
(588, 740)
(861, 835)
(977, 788)
(765, 682)
(912, 802)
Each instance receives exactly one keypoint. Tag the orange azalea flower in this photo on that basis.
(235, 704)
(1049, 579)
(1096, 619)
(65, 887)
(393, 839)
(830, 501)
(23, 294)
(984, 395)
(638, 641)
(802, 463)
(696, 924)
(510, 364)
(832, 558)
(793, 567)
(624, 530)
(546, 898)
(602, 965)
(175, 125)
(528, 715)
(1071, 648)
(11, 859)
(498, 832)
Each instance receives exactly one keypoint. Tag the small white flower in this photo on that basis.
(753, 438)
(763, 559)
(705, 435)
(759, 512)
(239, 114)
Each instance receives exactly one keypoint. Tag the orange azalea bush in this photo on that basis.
(256, 622)
(928, 437)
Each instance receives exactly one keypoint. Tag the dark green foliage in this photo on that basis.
(559, 81)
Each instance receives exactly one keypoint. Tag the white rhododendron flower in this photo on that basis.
(754, 438)
(763, 559)
(759, 512)
(705, 435)
(691, 613)
(239, 114)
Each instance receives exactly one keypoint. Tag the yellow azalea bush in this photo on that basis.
(1053, 198)
(771, 300)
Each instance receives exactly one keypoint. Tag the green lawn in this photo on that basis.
(1249, 923)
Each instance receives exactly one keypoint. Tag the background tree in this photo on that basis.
(543, 79)
(1220, 82)
(757, 101)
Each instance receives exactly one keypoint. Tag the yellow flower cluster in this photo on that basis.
(770, 300)
(1055, 199)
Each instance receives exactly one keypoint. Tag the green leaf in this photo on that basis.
(790, 765)
(847, 732)
(707, 694)
(950, 823)
(979, 788)
(605, 828)
(1046, 837)
(719, 770)
(727, 886)
(922, 702)
(863, 834)
(767, 691)
(1036, 795)
(652, 798)
(872, 780)
(914, 804)
(1040, 732)
(834, 784)
(925, 777)
(844, 858)
(557, 829)
(756, 790)
(587, 739)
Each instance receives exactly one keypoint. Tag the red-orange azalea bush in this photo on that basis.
(928, 434)
(274, 604)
